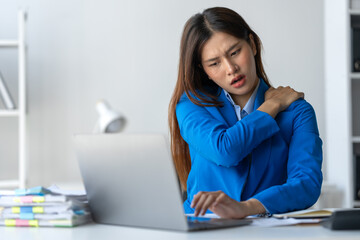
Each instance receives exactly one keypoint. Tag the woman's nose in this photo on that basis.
(231, 67)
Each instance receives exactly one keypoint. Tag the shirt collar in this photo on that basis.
(249, 106)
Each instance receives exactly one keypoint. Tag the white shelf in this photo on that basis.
(9, 43)
(355, 75)
(338, 82)
(20, 112)
(9, 113)
(354, 12)
(354, 16)
(9, 183)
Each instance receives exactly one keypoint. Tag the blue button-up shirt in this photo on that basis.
(249, 106)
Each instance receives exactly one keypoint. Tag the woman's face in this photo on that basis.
(230, 63)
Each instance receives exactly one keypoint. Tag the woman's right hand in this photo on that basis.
(278, 99)
(224, 206)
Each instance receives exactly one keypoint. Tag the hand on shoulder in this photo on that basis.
(278, 99)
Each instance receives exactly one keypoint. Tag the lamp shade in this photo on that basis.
(110, 120)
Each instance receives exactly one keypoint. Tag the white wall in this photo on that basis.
(127, 52)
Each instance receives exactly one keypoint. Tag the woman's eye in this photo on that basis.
(236, 52)
(213, 64)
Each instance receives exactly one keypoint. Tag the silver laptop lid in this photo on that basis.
(130, 180)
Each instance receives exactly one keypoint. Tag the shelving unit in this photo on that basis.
(356, 139)
(20, 112)
(341, 139)
(354, 11)
(354, 77)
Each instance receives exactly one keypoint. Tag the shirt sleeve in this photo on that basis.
(217, 142)
(303, 184)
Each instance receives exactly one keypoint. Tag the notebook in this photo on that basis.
(308, 213)
(130, 180)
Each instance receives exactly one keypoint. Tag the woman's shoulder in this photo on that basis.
(199, 96)
(300, 106)
(297, 112)
(187, 103)
(303, 116)
(186, 100)
(184, 97)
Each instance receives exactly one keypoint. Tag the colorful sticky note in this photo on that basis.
(26, 199)
(27, 216)
(10, 222)
(21, 223)
(38, 210)
(31, 191)
(20, 192)
(34, 223)
(15, 209)
(26, 209)
(38, 199)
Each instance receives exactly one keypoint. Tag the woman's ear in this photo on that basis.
(252, 44)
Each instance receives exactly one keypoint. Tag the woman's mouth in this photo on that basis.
(238, 81)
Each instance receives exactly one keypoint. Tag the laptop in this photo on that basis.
(130, 180)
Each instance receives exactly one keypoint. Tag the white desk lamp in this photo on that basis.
(110, 120)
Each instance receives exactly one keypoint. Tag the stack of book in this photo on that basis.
(39, 206)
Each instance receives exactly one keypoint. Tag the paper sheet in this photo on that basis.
(274, 222)
(267, 222)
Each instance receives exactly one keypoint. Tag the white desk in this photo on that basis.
(104, 232)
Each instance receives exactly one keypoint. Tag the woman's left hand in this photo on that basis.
(219, 203)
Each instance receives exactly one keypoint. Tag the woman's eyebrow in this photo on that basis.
(227, 51)
(232, 47)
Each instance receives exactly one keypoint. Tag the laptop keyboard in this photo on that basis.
(208, 223)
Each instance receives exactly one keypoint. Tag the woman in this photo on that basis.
(240, 147)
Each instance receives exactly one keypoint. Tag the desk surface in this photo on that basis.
(104, 232)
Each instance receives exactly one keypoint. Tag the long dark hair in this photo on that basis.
(192, 79)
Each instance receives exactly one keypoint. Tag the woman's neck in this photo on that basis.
(241, 100)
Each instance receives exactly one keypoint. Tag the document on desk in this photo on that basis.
(274, 222)
(267, 222)
(39, 206)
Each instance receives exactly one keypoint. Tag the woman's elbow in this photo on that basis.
(226, 154)
(225, 159)
(313, 191)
